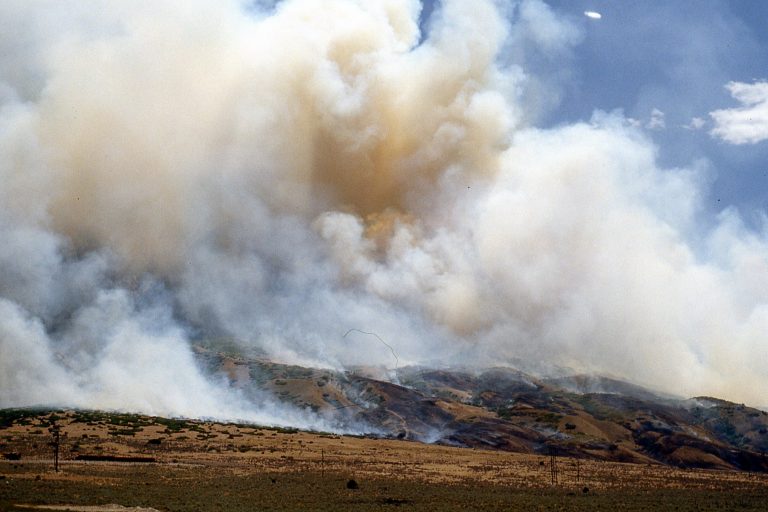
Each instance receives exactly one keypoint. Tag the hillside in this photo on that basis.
(505, 409)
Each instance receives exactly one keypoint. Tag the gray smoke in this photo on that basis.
(173, 171)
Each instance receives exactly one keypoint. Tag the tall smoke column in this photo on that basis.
(177, 170)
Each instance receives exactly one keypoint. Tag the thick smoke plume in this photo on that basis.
(174, 171)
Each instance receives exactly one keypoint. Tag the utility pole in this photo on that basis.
(553, 465)
(55, 430)
(578, 468)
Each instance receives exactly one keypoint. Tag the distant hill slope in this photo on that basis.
(505, 409)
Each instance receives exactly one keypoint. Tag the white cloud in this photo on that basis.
(697, 123)
(592, 14)
(657, 121)
(539, 24)
(748, 123)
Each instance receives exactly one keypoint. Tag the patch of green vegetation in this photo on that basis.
(123, 432)
(20, 416)
(127, 420)
(241, 426)
(298, 372)
(50, 420)
(172, 424)
(726, 430)
(282, 430)
(597, 409)
(549, 418)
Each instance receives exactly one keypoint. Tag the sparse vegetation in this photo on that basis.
(292, 470)
(21, 416)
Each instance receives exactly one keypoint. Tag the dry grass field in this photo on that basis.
(203, 466)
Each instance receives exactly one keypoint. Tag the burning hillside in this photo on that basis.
(506, 409)
(276, 175)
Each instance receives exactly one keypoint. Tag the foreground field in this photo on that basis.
(208, 466)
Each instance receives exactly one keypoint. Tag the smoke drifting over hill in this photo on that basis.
(181, 170)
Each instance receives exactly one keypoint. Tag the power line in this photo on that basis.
(397, 359)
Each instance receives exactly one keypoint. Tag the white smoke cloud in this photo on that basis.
(747, 124)
(188, 170)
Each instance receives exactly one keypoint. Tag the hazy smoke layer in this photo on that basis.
(197, 169)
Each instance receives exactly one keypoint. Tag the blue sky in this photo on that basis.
(675, 57)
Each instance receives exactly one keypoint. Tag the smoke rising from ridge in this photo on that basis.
(176, 170)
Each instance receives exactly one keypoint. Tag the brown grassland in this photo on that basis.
(205, 466)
